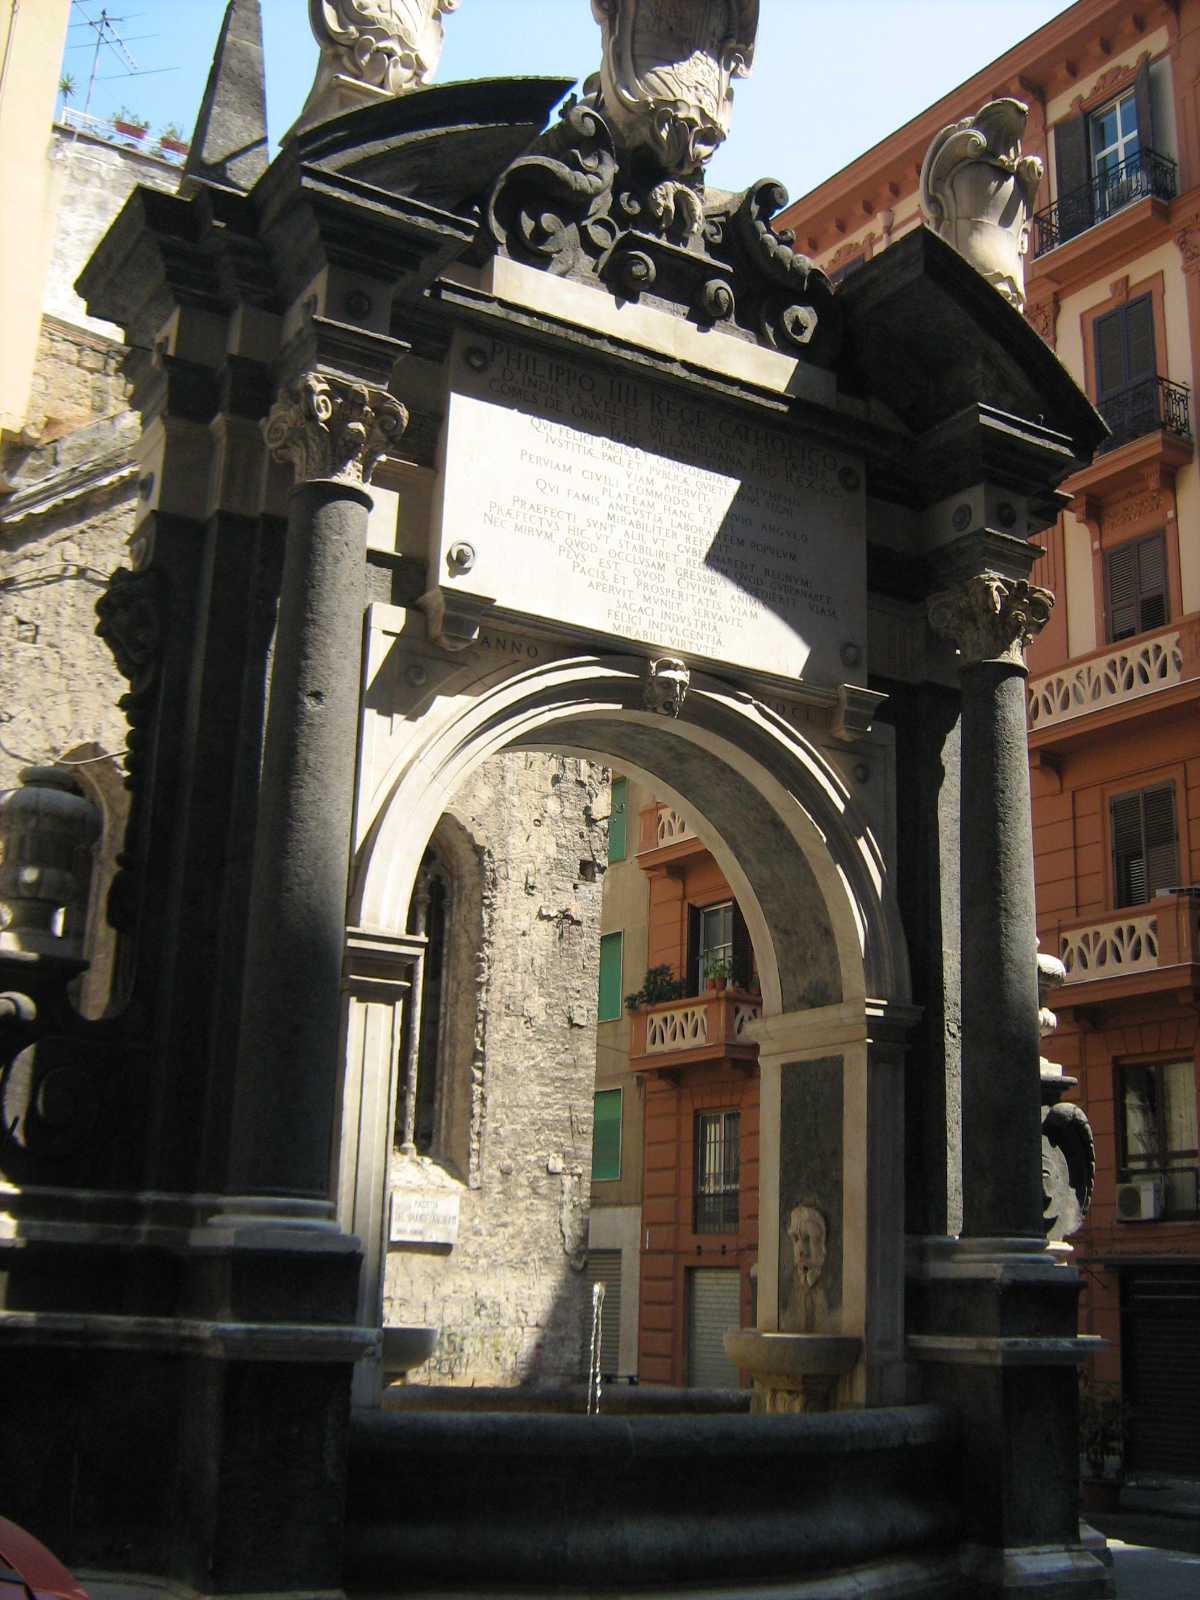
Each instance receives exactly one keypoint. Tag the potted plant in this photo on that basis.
(660, 985)
(1104, 1423)
(716, 971)
(129, 125)
(171, 139)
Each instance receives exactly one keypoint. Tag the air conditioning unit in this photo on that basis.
(1141, 1201)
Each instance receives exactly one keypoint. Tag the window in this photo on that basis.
(606, 1136)
(1158, 1129)
(716, 939)
(1135, 588)
(609, 1009)
(1125, 352)
(1114, 138)
(715, 1205)
(616, 820)
(847, 268)
(1144, 844)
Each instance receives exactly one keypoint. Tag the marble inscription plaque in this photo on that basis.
(423, 1218)
(613, 505)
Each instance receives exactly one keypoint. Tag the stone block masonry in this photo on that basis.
(511, 1297)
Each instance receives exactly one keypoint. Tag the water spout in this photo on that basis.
(594, 1371)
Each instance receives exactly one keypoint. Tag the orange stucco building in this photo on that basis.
(1113, 285)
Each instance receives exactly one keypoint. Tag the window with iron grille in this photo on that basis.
(1135, 588)
(1157, 1115)
(1145, 848)
(1114, 137)
(715, 1203)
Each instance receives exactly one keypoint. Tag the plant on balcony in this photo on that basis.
(127, 122)
(172, 139)
(1105, 1420)
(717, 971)
(660, 984)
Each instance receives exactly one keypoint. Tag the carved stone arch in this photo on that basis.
(785, 829)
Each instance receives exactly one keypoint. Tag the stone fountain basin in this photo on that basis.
(792, 1355)
(406, 1348)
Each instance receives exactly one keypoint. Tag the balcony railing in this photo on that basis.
(1115, 676)
(1163, 933)
(1148, 406)
(712, 1022)
(1146, 173)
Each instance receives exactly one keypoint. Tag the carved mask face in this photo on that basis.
(807, 1231)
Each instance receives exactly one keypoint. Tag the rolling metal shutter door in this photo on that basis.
(714, 1305)
(1162, 1370)
(604, 1266)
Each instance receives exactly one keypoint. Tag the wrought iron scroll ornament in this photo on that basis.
(332, 428)
(991, 617)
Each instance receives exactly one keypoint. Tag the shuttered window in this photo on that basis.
(717, 1172)
(1135, 582)
(1158, 1130)
(609, 1008)
(616, 820)
(1160, 1362)
(1144, 844)
(714, 1304)
(604, 1266)
(606, 1136)
(1125, 352)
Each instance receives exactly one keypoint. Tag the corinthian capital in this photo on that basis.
(990, 617)
(333, 428)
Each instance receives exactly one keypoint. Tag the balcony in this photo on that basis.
(1148, 406)
(1145, 175)
(1115, 677)
(1152, 938)
(706, 1028)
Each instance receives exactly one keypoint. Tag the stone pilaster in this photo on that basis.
(990, 617)
(334, 430)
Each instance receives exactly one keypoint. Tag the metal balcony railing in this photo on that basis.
(1073, 213)
(1149, 406)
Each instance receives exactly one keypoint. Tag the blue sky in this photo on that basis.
(829, 82)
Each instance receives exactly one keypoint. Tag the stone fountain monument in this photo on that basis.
(645, 456)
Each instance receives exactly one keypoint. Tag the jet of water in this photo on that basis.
(594, 1373)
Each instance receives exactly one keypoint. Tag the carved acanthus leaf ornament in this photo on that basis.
(333, 428)
(990, 617)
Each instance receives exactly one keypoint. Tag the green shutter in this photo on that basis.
(610, 978)
(606, 1136)
(616, 822)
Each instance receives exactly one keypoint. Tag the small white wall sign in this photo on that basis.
(418, 1218)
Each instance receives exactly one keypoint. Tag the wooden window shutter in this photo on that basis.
(1153, 606)
(1145, 113)
(617, 820)
(1139, 338)
(606, 1136)
(1073, 173)
(1110, 354)
(1162, 854)
(692, 977)
(1129, 865)
(1121, 581)
(609, 1007)
(743, 954)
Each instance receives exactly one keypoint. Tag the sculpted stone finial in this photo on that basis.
(335, 428)
(979, 191)
(991, 617)
(371, 50)
(666, 74)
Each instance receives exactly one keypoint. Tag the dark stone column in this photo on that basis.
(334, 431)
(991, 617)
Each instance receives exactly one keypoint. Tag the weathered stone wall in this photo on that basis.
(519, 1029)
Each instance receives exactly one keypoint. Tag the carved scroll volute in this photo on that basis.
(333, 428)
(979, 192)
(991, 617)
(666, 74)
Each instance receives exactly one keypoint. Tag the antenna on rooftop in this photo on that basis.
(105, 29)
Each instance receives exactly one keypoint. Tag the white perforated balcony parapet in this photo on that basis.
(681, 1029)
(1126, 672)
(1110, 949)
(672, 827)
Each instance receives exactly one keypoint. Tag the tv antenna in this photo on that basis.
(105, 29)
